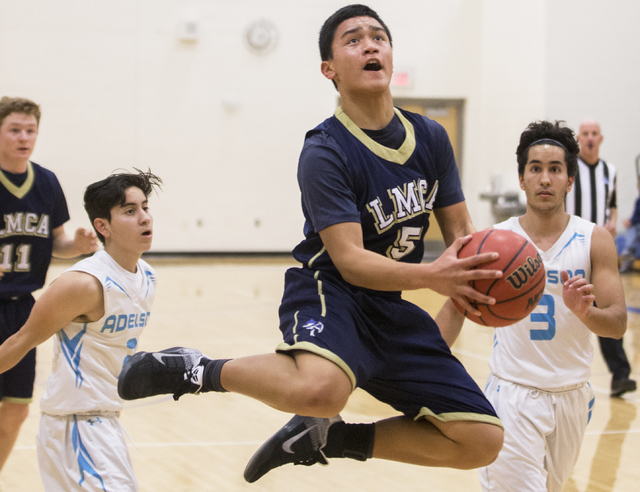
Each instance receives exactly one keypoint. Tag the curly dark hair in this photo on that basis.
(556, 132)
(102, 196)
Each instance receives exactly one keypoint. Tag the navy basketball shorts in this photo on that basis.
(387, 346)
(16, 385)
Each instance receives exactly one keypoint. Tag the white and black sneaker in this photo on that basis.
(300, 442)
(172, 371)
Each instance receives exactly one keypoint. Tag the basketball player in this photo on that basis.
(97, 310)
(33, 211)
(540, 366)
(594, 198)
(370, 176)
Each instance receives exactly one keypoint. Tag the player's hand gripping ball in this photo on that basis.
(519, 289)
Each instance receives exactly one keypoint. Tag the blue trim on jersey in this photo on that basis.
(85, 463)
(71, 349)
(108, 282)
(151, 278)
(132, 344)
(576, 236)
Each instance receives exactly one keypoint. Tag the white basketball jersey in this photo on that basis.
(88, 357)
(550, 348)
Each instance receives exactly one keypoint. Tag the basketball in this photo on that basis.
(522, 283)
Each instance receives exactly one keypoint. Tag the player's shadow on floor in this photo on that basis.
(606, 460)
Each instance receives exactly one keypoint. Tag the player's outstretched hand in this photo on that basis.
(577, 294)
(85, 241)
(450, 275)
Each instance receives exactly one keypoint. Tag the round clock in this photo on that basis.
(261, 36)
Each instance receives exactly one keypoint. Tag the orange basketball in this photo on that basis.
(522, 283)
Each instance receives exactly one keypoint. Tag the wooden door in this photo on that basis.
(449, 114)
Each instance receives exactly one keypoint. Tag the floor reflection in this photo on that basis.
(606, 460)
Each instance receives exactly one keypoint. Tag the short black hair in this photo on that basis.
(102, 196)
(546, 130)
(328, 31)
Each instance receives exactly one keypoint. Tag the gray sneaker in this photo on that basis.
(300, 442)
(172, 371)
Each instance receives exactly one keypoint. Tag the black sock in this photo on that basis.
(353, 441)
(211, 378)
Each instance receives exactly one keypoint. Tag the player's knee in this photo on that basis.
(489, 444)
(322, 398)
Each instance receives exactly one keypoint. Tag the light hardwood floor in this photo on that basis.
(228, 308)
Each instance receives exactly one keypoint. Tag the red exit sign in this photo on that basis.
(402, 78)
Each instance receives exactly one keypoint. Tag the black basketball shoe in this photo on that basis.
(172, 371)
(300, 442)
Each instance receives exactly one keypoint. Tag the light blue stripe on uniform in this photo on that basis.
(71, 348)
(85, 463)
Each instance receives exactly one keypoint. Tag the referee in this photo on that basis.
(593, 197)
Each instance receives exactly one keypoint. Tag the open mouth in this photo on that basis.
(373, 66)
(146, 233)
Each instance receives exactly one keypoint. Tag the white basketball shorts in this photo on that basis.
(84, 453)
(542, 438)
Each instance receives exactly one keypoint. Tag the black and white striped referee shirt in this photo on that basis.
(594, 192)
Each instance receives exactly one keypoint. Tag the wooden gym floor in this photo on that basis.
(228, 308)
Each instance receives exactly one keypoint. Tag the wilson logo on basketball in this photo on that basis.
(523, 273)
(520, 286)
(533, 301)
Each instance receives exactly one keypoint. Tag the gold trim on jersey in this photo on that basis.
(455, 416)
(323, 303)
(399, 156)
(15, 399)
(314, 349)
(316, 256)
(18, 191)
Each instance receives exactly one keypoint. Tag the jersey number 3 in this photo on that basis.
(547, 318)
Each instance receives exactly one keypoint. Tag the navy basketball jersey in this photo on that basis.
(29, 210)
(390, 192)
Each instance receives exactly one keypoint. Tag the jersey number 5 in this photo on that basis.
(23, 253)
(405, 243)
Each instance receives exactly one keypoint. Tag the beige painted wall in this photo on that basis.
(223, 125)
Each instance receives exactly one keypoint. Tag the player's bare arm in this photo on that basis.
(74, 296)
(450, 322)
(361, 267)
(449, 319)
(455, 225)
(577, 294)
(84, 242)
(447, 275)
(454, 222)
(609, 317)
(611, 224)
